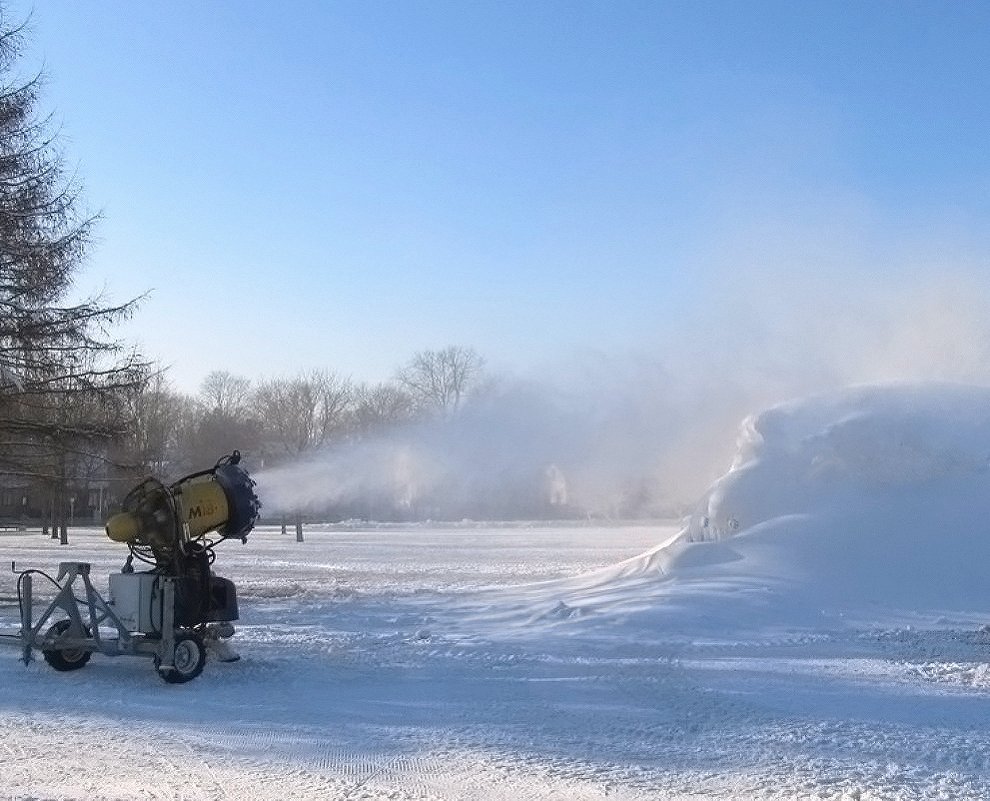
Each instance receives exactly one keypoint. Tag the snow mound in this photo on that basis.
(868, 444)
(868, 505)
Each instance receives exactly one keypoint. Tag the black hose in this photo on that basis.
(20, 579)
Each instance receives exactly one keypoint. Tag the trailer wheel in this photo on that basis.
(188, 658)
(65, 658)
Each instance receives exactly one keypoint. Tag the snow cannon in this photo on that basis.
(177, 610)
(220, 500)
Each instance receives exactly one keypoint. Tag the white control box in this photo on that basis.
(136, 598)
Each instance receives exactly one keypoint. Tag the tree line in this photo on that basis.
(275, 421)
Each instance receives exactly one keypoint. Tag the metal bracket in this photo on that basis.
(167, 651)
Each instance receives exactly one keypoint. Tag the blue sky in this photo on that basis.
(339, 185)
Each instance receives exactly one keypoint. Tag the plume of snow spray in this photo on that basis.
(646, 431)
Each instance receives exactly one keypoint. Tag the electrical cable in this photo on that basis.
(20, 579)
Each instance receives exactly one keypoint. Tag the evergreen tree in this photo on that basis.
(62, 373)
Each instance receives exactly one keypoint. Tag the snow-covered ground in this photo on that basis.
(815, 630)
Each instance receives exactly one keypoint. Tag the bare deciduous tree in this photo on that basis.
(439, 380)
(225, 394)
(378, 406)
(305, 412)
(156, 412)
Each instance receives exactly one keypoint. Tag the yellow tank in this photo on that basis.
(202, 505)
(163, 517)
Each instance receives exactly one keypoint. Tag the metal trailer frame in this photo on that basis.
(85, 616)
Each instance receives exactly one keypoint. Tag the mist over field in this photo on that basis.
(641, 431)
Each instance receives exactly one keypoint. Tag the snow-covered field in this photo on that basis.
(814, 631)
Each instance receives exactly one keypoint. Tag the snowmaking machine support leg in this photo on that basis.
(78, 633)
(26, 601)
(166, 652)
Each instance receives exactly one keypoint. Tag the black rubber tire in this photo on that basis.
(188, 658)
(65, 659)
